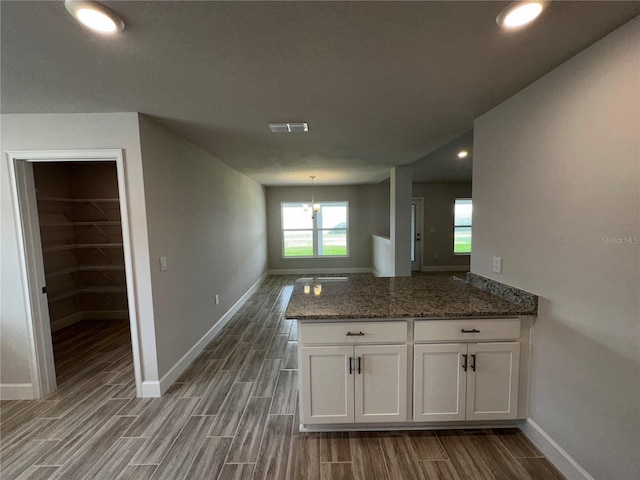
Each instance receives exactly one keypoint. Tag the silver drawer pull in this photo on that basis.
(473, 330)
(359, 334)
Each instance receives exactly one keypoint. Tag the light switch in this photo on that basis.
(497, 264)
(163, 264)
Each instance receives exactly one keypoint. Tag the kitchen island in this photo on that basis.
(363, 296)
(418, 352)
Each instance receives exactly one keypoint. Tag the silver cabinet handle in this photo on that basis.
(464, 365)
(359, 365)
(473, 330)
(350, 366)
(473, 362)
(359, 334)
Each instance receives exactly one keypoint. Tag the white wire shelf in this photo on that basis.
(86, 268)
(77, 291)
(78, 200)
(88, 223)
(73, 246)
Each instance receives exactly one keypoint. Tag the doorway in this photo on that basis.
(76, 250)
(416, 234)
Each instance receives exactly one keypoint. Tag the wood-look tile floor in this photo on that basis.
(231, 415)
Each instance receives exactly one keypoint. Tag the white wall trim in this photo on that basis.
(32, 266)
(156, 389)
(88, 315)
(557, 455)
(105, 315)
(150, 388)
(446, 268)
(16, 391)
(311, 270)
(66, 321)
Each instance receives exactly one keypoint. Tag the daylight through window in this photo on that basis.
(462, 226)
(325, 235)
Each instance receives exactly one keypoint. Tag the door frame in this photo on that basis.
(419, 201)
(31, 262)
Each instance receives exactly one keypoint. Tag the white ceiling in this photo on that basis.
(443, 164)
(380, 83)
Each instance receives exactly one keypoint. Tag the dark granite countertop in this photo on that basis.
(411, 297)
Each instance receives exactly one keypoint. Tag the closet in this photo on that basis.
(81, 234)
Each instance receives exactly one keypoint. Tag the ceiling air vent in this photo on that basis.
(299, 127)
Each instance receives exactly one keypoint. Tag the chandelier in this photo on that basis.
(315, 207)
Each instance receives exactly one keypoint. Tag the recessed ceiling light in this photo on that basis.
(299, 127)
(519, 14)
(95, 16)
(463, 154)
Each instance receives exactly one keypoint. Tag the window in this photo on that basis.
(325, 235)
(462, 226)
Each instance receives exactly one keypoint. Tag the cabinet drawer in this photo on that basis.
(474, 330)
(337, 333)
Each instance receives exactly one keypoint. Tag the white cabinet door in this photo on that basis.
(326, 387)
(381, 383)
(439, 385)
(492, 381)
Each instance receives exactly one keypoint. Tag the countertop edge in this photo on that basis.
(408, 317)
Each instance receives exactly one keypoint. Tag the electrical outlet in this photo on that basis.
(217, 299)
(163, 264)
(497, 264)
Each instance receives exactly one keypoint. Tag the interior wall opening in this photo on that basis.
(82, 249)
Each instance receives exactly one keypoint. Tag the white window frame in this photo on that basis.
(453, 245)
(314, 229)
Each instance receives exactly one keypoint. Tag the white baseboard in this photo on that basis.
(446, 268)
(105, 315)
(89, 315)
(66, 321)
(303, 271)
(554, 452)
(156, 389)
(16, 391)
(151, 389)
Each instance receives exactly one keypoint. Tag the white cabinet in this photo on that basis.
(360, 372)
(440, 384)
(466, 369)
(355, 383)
(492, 381)
(380, 383)
(326, 384)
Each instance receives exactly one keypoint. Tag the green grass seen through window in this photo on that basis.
(462, 245)
(307, 251)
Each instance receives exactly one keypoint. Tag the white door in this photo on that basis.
(439, 385)
(381, 383)
(43, 369)
(327, 384)
(416, 234)
(492, 381)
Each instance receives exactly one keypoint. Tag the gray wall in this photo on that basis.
(68, 131)
(210, 222)
(208, 219)
(439, 199)
(368, 214)
(556, 175)
(400, 220)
